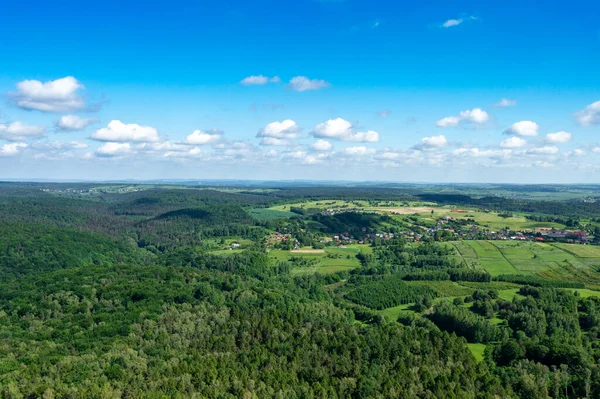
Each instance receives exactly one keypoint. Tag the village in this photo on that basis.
(445, 228)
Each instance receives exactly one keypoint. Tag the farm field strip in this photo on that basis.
(569, 262)
(492, 259)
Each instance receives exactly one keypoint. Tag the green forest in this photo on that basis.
(200, 292)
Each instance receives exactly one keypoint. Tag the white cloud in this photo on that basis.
(112, 149)
(384, 113)
(302, 83)
(389, 155)
(160, 146)
(10, 150)
(513, 142)
(430, 143)
(475, 116)
(546, 150)
(576, 153)
(73, 123)
(194, 152)
(255, 80)
(477, 153)
(505, 103)
(359, 151)
(117, 131)
(558, 137)
(275, 141)
(457, 21)
(523, 128)
(199, 137)
(340, 129)
(448, 121)
(296, 154)
(286, 129)
(590, 115)
(313, 159)
(452, 22)
(53, 96)
(17, 131)
(321, 145)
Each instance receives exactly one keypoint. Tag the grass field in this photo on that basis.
(490, 220)
(330, 260)
(582, 251)
(269, 214)
(393, 313)
(477, 350)
(323, 204)
(570, 262)
(491, 259)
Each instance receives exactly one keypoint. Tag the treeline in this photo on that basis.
(453, 274)
(388, 292)
(537, 282)
(464, 323)
(566, 209)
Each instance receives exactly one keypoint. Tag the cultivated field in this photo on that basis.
(571, 262)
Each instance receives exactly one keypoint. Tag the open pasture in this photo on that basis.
(269, 214)
(329, 260)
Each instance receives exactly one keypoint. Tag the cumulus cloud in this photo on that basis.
(60, 95)
(12, 149)
(340, 129)
(312, 159)
(546, 150)
(477, 153)
(590, 115)
(286, 129)
(18, 131)
(359, 151)
(193, 152)
(321, 145)
(302, 83)
(117, 131)
(513, 142)
(457, 21)
(523, 128)
(558, 137)
(257, 80)
(112, 149)
(505, 103)
(576, 153)
(474, 116)
(431, 143)
(200, 137)
(161, 146)
(389, 155)
(73, 123)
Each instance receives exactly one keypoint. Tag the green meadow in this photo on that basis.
(329, 260)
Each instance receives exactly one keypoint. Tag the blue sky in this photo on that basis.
(399, 91)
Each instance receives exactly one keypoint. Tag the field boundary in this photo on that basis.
(504, 256)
